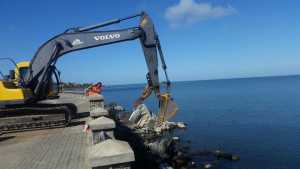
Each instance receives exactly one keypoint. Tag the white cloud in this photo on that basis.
(190, 11)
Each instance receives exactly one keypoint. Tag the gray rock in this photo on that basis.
(110, 152)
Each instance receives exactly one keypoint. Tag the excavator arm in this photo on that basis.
(88, 37)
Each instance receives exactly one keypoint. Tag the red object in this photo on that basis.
(95, 89)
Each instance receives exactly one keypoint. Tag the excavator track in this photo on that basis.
(31, 118)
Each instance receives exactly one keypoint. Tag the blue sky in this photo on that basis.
(200, 39)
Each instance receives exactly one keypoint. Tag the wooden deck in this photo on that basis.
(62, 148)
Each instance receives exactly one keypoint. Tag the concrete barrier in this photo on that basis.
(98, 112)
(111, 154)
(102, 129)
(96, 101)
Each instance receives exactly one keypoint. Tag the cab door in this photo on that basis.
(54, 86)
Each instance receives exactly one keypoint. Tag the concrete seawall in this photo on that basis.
(70, 147)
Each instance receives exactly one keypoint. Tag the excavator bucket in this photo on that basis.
(168, 108)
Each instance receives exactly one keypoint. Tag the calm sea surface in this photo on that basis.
(256, 118)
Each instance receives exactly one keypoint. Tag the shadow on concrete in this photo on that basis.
(4, 138)
(76, 123)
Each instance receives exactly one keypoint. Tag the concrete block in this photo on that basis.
(110, 153)
(99, 136)
(96, 98)
(102, 129)
(98, 112)
(96, 101)
(102, 123)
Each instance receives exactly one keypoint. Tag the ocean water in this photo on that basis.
(255, 118)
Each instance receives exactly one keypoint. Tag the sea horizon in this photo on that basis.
(232, 78)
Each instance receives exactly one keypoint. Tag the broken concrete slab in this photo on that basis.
(109, 153)
(141, 116)
(98, 112)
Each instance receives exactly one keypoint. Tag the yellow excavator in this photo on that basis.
(24, 95)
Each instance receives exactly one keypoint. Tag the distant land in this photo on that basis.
(85, 85)
(72, 85)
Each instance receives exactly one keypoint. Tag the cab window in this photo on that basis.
(23, 71)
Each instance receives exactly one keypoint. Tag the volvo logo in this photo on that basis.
(107, 36)
(77, 42)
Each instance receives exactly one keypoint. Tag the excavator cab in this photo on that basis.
(18, 74)
(12, 88)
